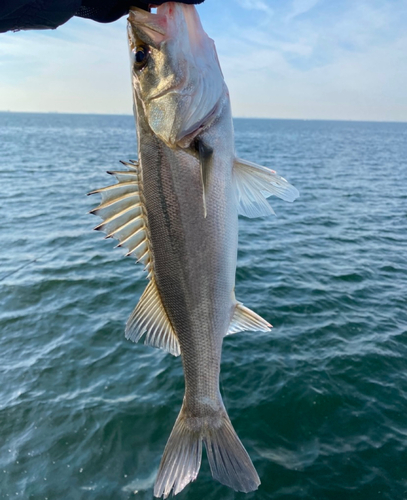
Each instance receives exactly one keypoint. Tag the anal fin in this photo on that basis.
(246, 319)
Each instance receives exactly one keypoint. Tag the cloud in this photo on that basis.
(345, 61)
(290, 59)
(301, 7)
(256, 5)
(83, 69)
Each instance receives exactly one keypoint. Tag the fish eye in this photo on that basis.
(140, 56)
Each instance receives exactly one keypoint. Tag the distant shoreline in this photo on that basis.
(53, 113)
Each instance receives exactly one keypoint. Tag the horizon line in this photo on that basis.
(6, 111)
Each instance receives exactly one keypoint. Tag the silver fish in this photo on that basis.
(176, 211)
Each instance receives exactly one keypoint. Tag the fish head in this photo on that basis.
(175, 71)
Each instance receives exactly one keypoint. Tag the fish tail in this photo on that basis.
(181, 459)
(229, 461)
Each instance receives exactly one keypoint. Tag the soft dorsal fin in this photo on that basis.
(254, 184)
(246, 319)
(150, 318)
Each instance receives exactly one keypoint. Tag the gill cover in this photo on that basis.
(181, 85)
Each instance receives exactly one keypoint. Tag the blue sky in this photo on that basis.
(308, 59)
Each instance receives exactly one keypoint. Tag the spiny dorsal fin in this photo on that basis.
(123, 214)
(246, 319)
(150, 318)
(254, 184)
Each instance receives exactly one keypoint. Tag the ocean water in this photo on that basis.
(320, 402)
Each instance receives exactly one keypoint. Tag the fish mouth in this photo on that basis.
(153, 28)
(147, 19)
(144, 18)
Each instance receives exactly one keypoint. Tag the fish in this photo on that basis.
(175, 209)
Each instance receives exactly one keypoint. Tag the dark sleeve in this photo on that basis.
(49, 14)
(35, 14)
(106, 11)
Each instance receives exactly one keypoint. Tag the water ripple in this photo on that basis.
(319, 401)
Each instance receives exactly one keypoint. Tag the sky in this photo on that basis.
(301, 59)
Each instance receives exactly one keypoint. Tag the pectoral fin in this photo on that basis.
(254, 184)
(205, 161)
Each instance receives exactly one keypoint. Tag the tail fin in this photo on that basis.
(229, 462)
(181, 459)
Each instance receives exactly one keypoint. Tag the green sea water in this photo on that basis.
(320, 402)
